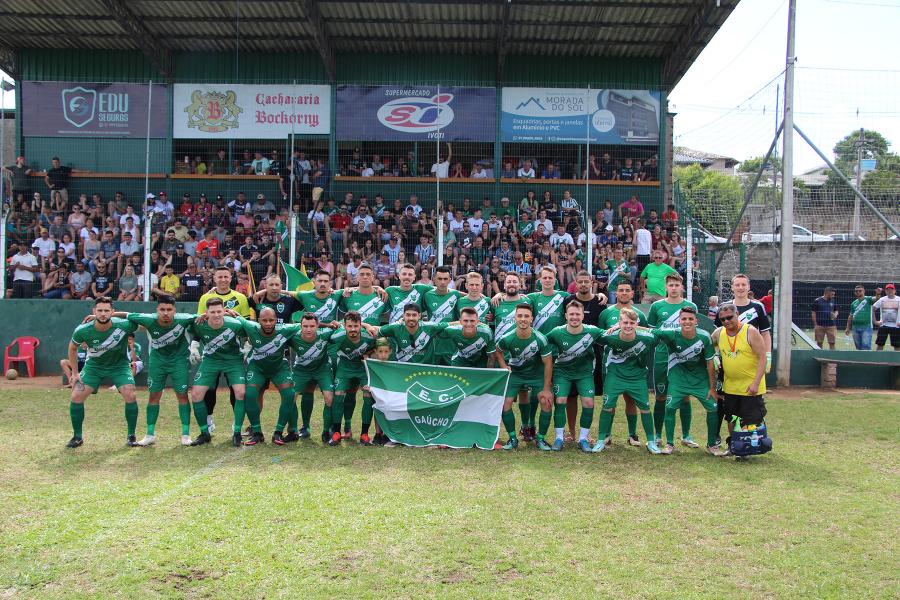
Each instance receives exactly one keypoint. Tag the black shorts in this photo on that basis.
(885, 332)
(751, 410)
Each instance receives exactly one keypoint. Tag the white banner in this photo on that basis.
(248, 111)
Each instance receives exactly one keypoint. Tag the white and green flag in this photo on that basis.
(424, 405)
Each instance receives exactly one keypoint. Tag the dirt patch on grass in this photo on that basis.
(45, 382)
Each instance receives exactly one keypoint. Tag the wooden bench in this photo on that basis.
(829, 366)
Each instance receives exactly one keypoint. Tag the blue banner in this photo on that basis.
(416, 113)
(563, 115)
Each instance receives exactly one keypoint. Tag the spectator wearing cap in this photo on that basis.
(889, 323)
(179, 260)
(263, 208)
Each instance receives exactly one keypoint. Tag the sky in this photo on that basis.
(847, 77)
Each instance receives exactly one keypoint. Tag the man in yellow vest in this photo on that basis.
(743, 354)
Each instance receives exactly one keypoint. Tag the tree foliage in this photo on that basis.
(714, 199)
(887, 171)
(752, 164)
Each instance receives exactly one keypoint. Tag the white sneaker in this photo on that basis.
(210, 424)
(716, 451)
(391, 444)
(148, 440)
(689, 442)
(634, 441)
(185, 440)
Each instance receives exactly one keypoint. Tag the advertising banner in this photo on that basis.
(250, 111)
(63, 109)
(565, 115)
(416, 113)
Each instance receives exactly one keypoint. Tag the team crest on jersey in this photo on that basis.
(279, 307)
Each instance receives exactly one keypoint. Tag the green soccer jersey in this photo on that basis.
(574, 351)
(309, 356)
(482, 306)
(268, 350)
(166, 342)
(223, 343)
(526, 228)
(525, 357)
(347, 354)
(861, 312)
(398, 298)
(505, 317)
(105, 348)
(548, 312)
(470, 351)
(610, 316)
(687, 357)
(369, 306)
(326, 309)
(618, 273)
(663, 315)
(442, 307)
(415, 347)
(626, 360)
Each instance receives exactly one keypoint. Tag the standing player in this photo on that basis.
(627, 352)
(323, 301)
(665, 314)
(220, 337)
(690, 353)
(312, 368)
(274, 297)
(548, 302)
(503, 315)
(608, 318)
(573, 345)
(347, 349)
(530, 361)
(405, 293)
(412, 340)
(475, 298)
(440, 303)
(107, 358)
(474, 341)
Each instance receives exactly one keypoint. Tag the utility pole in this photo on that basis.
(860, 145)
(784, 304)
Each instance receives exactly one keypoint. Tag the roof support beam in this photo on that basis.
(159, 57)
(9, 61)
(503, 36)
(682, 50)
(320, 35)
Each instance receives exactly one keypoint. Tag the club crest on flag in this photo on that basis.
(432, 411)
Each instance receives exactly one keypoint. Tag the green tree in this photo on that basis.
(874, 146)
(714, 199)
(751, 165)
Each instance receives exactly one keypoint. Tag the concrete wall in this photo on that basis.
(830, 262)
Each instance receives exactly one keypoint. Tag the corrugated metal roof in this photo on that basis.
(672, 31)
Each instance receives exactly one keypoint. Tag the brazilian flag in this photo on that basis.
(297, 281)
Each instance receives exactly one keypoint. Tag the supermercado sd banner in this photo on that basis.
(245, 111)
(422, 405)
(576, 115)
(416, 113)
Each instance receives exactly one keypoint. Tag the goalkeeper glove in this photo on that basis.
(195, 353)
(768, 361)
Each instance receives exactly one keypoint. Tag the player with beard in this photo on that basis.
(312, 368)
(440, 303)
(474, 341)
(407, 292)
(347, 349)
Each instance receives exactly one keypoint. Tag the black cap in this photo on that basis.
(180, 247)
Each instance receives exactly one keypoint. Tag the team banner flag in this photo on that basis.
(297, 281)
(424, 405)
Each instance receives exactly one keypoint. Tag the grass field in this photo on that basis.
(817, 518)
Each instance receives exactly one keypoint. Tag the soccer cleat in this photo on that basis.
(303, 434)
(634, 441)
(210, 425)
(335, 439)
(557, 445)
(689, 442)
(247, 432)
(292, 436)
(498, 445)
(185, 440)
(542, 445)
(668, 449)
(277, 439)
(203, 438)
(596, 448)
(347, 435)
(148, 440)
(511, 444)
(531, 432)
(716, 451)
(653, 447)
(364, 439)
(326, 436)
(237, 439)
(131, 441)
(76, 441)
(256, 437)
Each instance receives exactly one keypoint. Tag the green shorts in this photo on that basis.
(160, 369)
(210, 368)
(348, 378)
(92, 376)
(584, 385)
(660, 376)
(322, 377)
(524, 381)
(477, 364)
(613, 388)
(260, 377)
(676, 395)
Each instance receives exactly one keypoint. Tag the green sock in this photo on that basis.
(712, 428)
(647, 424)
(525, 409)
(184, 415)
(251, 404)
(240, 411)
(284, 413)
(559, 416)
(670, 424)
(76, 413)
(306, 408)
(544, 422)
(152, 416)
(337, 411)
(606, 421)
(200, 415)
(349, 407)
(659, 416)
(632, 424)
(326, 417)
(509, 421)
(368, 411)
(587, 417)
(686, 419)
(533, 406)
(131, 416)
(293, 415)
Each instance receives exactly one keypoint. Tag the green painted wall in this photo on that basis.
(805, 370)
(100, 155)
(249, 67)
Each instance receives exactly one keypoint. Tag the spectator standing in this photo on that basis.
(441, 167)
(824, 315)
(80, 282)
(17, 178)
(859, 320)
(889, 324)
(653, 278)
(57, 180)
(25, 265)
(643, 247)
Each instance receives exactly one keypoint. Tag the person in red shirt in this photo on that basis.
(186, 209)
(670, 218)
(209, 242)
(767, 302)
(337, 224)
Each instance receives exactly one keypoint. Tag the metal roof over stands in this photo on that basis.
(674, 31)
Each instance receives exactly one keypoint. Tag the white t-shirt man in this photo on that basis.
(367, 219)
(45, 247)
(123, 219)
(582, 238)
(643, 242)
(456, 226)
(557, 240)
(23, 260)
(479, 173)
(475, 225)
(526, 174)
(890, 310)
(548, 225)
(441, 169)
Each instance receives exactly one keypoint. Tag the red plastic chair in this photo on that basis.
(27, 346)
